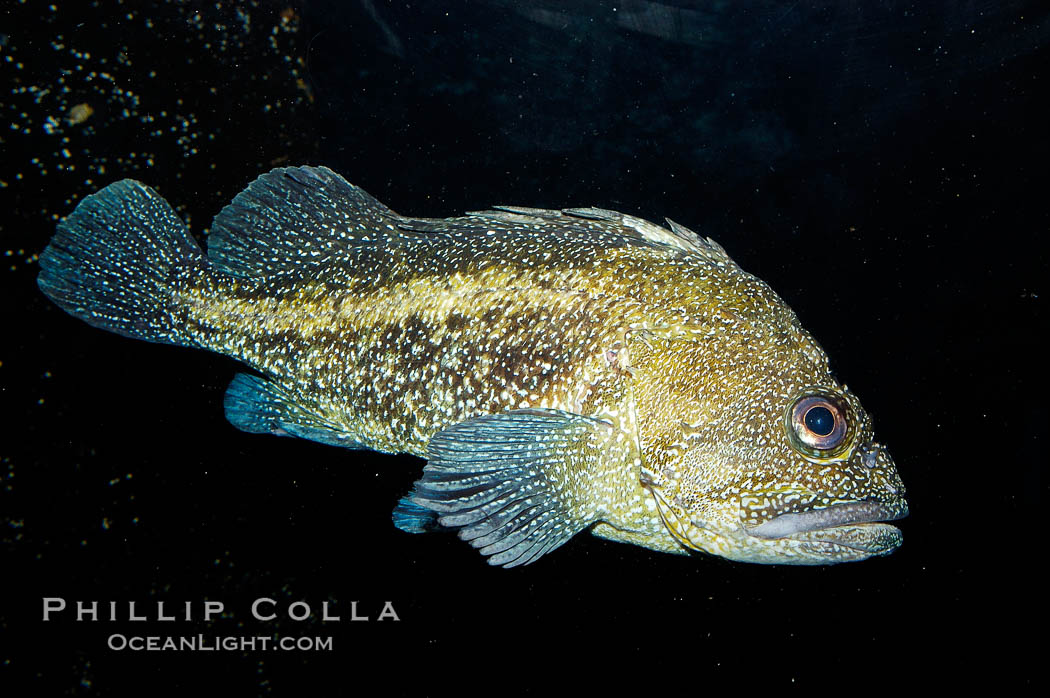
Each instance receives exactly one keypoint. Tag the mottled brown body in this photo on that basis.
(669, 367)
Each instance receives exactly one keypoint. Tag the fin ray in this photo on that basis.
(116, 259)
(292, 217)
(260, 406)
(504, 481)
(412, 518)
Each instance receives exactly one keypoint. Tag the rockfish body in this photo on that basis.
(559, 370)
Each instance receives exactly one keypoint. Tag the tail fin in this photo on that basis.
(116, 259)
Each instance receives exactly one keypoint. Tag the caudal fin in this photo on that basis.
(116, 260)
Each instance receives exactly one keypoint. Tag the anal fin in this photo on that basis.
(259, 406)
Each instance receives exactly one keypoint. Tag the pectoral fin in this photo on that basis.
(516, 484)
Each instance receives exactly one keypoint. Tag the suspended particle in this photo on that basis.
(79, 114)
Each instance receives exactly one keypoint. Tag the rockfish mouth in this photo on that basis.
(857, 525)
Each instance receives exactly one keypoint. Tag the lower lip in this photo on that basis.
(819, 519)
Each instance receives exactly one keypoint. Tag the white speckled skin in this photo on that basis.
(390, 329)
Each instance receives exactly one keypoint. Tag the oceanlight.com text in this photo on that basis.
(218, 643)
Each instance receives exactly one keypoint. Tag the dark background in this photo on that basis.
(882, 165)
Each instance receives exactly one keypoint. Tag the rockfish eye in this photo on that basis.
(817, 424)
(819, 420)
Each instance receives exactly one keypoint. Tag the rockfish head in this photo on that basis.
(754, 452)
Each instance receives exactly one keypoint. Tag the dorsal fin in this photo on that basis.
(629, 227)
(297, 219)
(295, 216)
(678, 237)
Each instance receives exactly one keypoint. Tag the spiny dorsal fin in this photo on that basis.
(295, 216)
(678, 237)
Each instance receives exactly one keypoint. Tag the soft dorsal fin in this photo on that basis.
(295, 216)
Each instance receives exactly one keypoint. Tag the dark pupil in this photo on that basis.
(820, 421)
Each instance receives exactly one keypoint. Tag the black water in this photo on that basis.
(881, 165)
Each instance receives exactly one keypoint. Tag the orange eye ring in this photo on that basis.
(818, 425)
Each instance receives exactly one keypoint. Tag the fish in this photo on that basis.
(559, 370)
